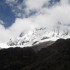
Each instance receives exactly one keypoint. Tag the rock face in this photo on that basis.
(53, 57)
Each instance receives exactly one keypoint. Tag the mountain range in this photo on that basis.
(39, 35)
(52, 57)
(38, 49)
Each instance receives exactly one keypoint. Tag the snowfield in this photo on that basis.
(38, 35)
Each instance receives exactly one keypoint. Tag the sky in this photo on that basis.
(24, 15)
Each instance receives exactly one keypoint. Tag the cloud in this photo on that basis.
(48, 17)
(17, 6)
(64, 2)
(9, 1)
(14, 31)
(21, 25)
(35, 4)
(24, 8)
(5, 35)
(45, 17)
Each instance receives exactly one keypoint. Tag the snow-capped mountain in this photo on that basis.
(30, 38)
(40, 34)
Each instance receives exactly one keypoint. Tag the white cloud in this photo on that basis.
(17, 7)
(25, 6)
(11, 1)
(63, 2)
(15, 30)
(35, 4)
(21, 25)
(44, 17)
(50, 16)
(5, 35)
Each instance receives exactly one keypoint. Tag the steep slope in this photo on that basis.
(53, 57)
(31, 38)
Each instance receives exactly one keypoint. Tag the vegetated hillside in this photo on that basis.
(53, 57)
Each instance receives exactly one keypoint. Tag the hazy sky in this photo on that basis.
(19, 15)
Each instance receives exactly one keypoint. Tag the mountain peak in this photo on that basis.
(40, 34)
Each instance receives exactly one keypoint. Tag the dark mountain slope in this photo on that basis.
(53, 57)
(39, 46)
(16, 58)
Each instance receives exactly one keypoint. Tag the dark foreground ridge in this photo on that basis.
(53, 57)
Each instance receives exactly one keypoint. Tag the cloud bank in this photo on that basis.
(44, 16)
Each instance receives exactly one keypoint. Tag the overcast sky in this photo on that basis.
(24, 15)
